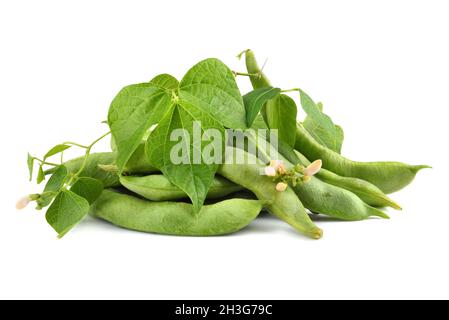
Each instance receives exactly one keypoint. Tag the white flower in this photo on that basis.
(275, 163)
(281, 186)
(279, 166)
(23, 202)
(270, 171)
(313, 168)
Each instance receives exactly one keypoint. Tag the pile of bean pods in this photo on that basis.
(295, 171)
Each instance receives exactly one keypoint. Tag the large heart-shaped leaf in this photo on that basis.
(165, 81)
(132, 112)
(210, 85)
(180, 154)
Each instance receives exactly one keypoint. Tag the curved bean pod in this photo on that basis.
(157, 187)
(365, 190)
(285, 205)
(92, 169)
(324, 198)
(387, 176)
(259, 79)
(175, 218)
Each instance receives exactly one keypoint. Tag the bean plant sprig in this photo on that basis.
(64, 188)
(167, 172)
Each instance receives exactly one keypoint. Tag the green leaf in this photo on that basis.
(30, 163)
(55, 150)
(67, 210)
(320, 125)
(339, 138)
(210, 85)
(281, 115)
(259, 123)
(192, 177)
(132, 112)
(52, 188)
(255, 100)
(165, 81)
(88, 188)
(40, 175)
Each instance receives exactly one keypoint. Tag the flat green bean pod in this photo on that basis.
(285, 205)
(365, 190)
(324, 198)
(387, 176)
(157, 187)
(92, 168)
(175, 218)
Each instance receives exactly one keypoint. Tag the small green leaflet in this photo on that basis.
(281, 115)
(88, 188)
(192, 176)
(255, 100)
(320, 125)
(259, 123)
(40, 175)
(340, 138)
(66, 211)
(54, 184)
(165, 81)
(30, 163)
(55, 150)
(210, 85)
(132, 112)
(311, 127)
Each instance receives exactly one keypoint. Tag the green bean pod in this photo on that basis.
(387, 176)
(175, 218)
(324, 198)
(285, 205)
(365, 190)
(138, 162)
(258, 78)
(157, 187)
(97, 162)
(92, 168)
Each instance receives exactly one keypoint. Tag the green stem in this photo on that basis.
(236, 73)
(88, 149)
(291, 90)
(75, 144)
(42, 162)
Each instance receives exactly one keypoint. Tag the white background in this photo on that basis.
(380, 67)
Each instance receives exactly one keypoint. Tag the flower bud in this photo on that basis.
(270, 171)
(23, 202)
(281, 186)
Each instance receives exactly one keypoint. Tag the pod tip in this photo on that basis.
(381, 214)
(422, 166)
(316, 233)
(394, 205)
